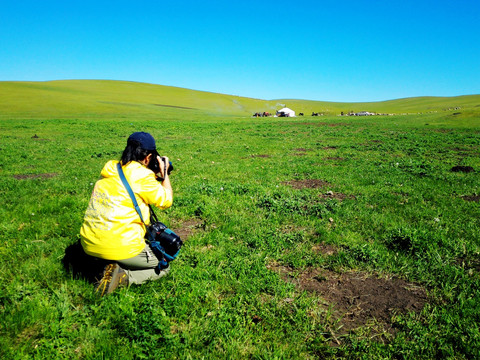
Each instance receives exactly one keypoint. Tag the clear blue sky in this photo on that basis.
(319, 50)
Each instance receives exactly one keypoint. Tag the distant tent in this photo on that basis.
(286, 112)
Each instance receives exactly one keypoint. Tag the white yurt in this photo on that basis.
(285, 112)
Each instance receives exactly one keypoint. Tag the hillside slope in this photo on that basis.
(86, 98)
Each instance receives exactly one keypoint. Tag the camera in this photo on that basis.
(170, 241)
(154, 165)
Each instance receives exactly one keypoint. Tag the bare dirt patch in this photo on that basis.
(442, 131)
(34, 176)
(329, 148)
(301, 151)
(38, 138)
(475, 198)
(358, 298)
(459, 149)
(188, 228)
(260, 156)
(463, 169)
(307, 183)
(325, 249)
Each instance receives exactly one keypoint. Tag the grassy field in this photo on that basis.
(305, 238)
(121, 99)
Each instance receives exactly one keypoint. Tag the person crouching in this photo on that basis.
(112, 229)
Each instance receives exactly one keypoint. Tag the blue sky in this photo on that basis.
(316, 50)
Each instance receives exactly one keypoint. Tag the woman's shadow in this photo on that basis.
(82, 265)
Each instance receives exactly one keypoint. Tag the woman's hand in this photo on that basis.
(163, 174)
(164, 164)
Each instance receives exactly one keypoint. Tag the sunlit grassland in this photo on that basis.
(404, 214)
(121, 99)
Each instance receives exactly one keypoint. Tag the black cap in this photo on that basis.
(146, 140)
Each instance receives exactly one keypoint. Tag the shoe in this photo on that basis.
(113, 276)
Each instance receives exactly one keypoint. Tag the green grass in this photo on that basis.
(120, 99)
(404, 215)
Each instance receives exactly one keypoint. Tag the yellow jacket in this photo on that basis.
(112, 229)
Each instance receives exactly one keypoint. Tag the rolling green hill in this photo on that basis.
(106, 98)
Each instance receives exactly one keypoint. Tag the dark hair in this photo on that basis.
(134, 152)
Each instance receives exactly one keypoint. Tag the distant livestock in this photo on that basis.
(264, 114)
(361, 113)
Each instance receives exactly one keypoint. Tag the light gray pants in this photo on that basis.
(142, 267)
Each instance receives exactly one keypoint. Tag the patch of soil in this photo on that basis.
(36, 137)
(338, 124)
(474, 198)
(325, 249)
(442, 131)
(302, 150)
(260, 156)
(256, 319)
(187, 228)
(307, 184)
(336, 195)
(329, 148)
(358, 298)
(464, 169)
(456, 148)
(34, 176)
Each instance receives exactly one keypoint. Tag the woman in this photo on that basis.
(112, 229)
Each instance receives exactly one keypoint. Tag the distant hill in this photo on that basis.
(108, 98)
